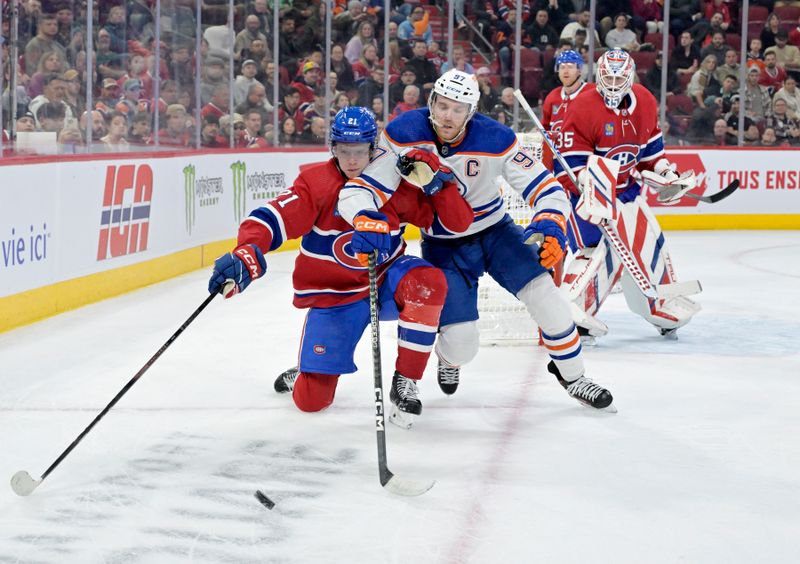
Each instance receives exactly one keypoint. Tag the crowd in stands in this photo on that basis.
(134, 79)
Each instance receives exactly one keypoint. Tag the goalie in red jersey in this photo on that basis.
(331, 276)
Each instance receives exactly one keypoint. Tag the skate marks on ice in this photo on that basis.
(187, 497)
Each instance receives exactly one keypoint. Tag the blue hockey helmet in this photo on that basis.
(354, 124)
(569, 56)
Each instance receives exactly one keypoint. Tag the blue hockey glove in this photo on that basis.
(371, 233)
(242, 266)
(553, 226)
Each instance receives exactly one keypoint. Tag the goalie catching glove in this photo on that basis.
(551, 225)
(242, 266)
(422, 168)
(371, 234)
(667, 183)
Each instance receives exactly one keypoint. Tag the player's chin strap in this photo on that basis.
(668, 184)
(603, 181)
(436, 124)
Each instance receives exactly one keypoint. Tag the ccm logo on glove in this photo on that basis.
(245, 254)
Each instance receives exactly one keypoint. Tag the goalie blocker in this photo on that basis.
(595, 269)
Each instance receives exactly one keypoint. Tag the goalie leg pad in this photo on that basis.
(588, 281)
(458, 343)
(550, 310)
(314, 392)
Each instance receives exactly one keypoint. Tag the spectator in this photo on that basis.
(771, 29)
(181, 66)
(685, 59)
(701, 129)
(543, 35)
(137, 69)
(50, 117)
(116, 28)
(794, 35)
(99, 128)
(244, 81)
(290, 44)
(316, 109)
(110, 94)
(371, 87)
(341, 66)
(140, 130)
(176, 133)
(756, 100)
(314, 26)
(44, 42)
(730, 67)
(621, 37)
(459, 61)
(732, 125)
(26, 122)
(219, 104)
(649, 12)
(367, 62)
(652, 80)
(703, 31)
(486, 17)
(772, 76)
(225, 127)
(489, 95)
(256, 100)
(209, 134)
(51, 62)
(114, 141)
(315, 134)
(54, 90)
(333, 84)
(363, 37)
(791, 96)
(263, 11)
(702, 79)
(434, 55)
(251, 32)
(755, 54)
(719, 7)
(258, 51)
(504, 111)
(717, 47)
(786, 130)
(417, 26)
(310, 81)
(290, 107)
(108, 63)
(768, 138)
(720, 137)
(410, 101)
(582, 22)
(346, 22)
(730, 86)
(288, 136)
(128, 105)
(683, 14)
(407, 76)
(787, 56)
(377, 109)
(425, 69)
(251, 137)
(341, 101)
(214, 76)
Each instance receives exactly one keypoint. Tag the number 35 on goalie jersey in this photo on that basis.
(488, 151)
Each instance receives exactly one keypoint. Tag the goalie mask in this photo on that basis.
(615, 72)
(456, 86)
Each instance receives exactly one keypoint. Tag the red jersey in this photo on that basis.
(327, 272)
(630, 134)
(554, 110)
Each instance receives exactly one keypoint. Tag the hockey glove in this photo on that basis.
(423, 169)
(242, 266)
(553, 226)
(666, 182)
(371, 234)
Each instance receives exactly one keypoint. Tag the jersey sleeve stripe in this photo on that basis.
(269, 218)
(553, 190)
(479, 214)
(376, 194)
(549, 183)
(375, 184)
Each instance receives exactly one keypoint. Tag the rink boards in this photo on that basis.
(81, 229)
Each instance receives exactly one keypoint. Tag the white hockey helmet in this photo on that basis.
(615, 72)
(459, 86)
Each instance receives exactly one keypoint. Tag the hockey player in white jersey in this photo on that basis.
(473, 150)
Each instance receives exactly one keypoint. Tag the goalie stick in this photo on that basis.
(721, 195)
(609, 230)
(392, 483)
(23, 483)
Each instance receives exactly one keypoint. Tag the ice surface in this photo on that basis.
(700, 465)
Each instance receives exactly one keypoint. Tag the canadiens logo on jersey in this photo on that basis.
(626, 155)
(608, 129)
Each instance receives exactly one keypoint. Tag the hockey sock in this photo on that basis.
(313, 391)
(420, 297)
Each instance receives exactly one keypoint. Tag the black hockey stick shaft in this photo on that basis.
(129, 385)
(721, 195)
(380, 421)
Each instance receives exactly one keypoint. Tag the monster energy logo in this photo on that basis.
(239, 170)
(188, 194)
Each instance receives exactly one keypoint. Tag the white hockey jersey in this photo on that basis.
(487, 151)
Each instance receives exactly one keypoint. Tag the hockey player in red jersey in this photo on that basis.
(568, 66)
(619, 120)
(331, 277)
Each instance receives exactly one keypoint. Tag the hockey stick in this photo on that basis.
(23, 484)
(721, 195)
(392, 483)
(609, 229)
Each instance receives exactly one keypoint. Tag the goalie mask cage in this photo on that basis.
(504, 320)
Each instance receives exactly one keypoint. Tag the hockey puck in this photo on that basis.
(264, 500)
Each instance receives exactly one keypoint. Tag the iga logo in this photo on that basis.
(683, 162)
(125, 216)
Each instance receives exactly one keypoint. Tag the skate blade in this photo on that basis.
(401, 418)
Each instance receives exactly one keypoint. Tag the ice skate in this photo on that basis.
(448, 376)
(404, 396)
(285, 382)
(585, 391)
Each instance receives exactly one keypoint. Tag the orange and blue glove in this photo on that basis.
(553, 226)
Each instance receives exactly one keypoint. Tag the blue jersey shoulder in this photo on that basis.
(411, 127)
(485, 135)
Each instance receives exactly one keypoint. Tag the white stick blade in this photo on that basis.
(675, 289)
(23, 484)
(408, 488)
